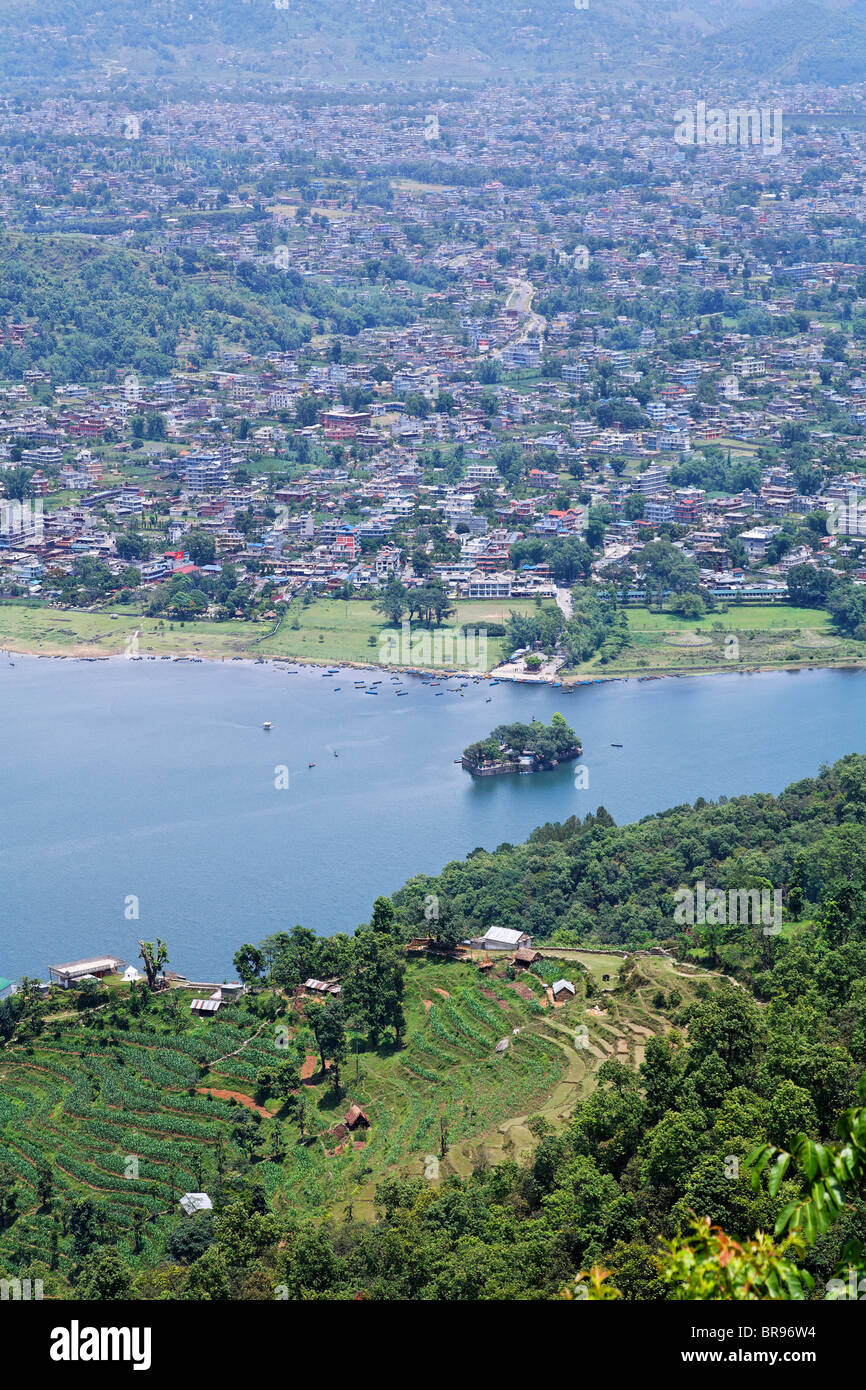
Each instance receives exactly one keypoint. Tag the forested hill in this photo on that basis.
(593, 881)
(354, 40)
(109, 308)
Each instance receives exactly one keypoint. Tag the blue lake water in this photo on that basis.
(156, 779)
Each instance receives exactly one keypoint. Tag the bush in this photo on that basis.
(189, 1240)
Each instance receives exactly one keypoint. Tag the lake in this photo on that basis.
(155, 781)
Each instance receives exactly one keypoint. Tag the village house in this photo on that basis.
(504, 939)
(191, 1203)
(74, 971)
(524, 957)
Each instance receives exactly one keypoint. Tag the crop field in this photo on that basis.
(115, 1114)
(115, 1107)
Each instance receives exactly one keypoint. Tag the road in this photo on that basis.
(531, 323)
(565, 602)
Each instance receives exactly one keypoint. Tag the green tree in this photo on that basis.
(328, 1023)
(374, 987)
(392, 601)
(103, 1276)
(155, 958)
(200, 547)
(16, 483)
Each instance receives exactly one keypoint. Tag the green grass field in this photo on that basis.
(338, 630)
(334, 630)
(30, 628)
(329, 630)
(743, 638)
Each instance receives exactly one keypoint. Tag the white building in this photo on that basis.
(193, 1202)
(504, 939)
(483, 585)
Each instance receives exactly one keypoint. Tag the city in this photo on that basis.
(465, 361)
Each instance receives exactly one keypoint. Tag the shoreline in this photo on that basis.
(90, 653)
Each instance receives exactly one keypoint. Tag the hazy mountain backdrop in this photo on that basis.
(350, 40)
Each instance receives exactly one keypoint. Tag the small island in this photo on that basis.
(531, 747)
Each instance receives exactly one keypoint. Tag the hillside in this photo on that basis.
(591, 880)
(356, 40)
(154, 1084)
(483, 1172)
(102, 308)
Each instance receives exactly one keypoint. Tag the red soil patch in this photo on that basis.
(523, 990)
(235, 1095)
(489, 994)
(311, 1068)
(443, 992)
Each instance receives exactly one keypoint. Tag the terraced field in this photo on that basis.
(114, 1114)
(124, 1114)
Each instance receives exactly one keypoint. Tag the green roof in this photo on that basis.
(4, 983)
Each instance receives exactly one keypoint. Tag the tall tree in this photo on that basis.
(374, 988)
(154, 958)
(329, 1026)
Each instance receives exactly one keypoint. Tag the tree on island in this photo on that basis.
(548, 743)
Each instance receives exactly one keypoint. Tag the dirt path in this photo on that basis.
(212, 1066)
